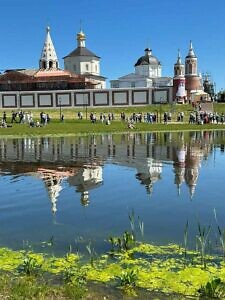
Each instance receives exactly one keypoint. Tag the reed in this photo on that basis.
(141, 226)
(185, 241)
(132, 221)
(221, 234)
(91, 253)
(202, 238)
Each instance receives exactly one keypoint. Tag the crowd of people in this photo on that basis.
(23, 117)
(195, 117)
(201, 117)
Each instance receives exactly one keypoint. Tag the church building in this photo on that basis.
(148, 73)
(48, 77)
(84, 62)
(186, 81)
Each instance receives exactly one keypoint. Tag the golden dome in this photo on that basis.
(81, 35)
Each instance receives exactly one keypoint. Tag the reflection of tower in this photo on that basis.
(179, 166)
(53, 186)
(194, 156)
(53, 182)
(84, 199)
(88, 177)
(148, 173)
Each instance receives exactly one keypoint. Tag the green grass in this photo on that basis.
(73, 126)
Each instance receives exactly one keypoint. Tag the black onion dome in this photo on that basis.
(147, 59)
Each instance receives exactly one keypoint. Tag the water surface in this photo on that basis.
(79, 190)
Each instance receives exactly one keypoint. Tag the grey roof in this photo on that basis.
(147, 60)
(97, 77)
(81, 51)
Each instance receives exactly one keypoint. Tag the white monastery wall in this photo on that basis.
(90, 98)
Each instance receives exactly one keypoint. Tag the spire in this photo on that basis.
(178, 66)
(148, 52)
(81, 38)
(191, 51)
(48, 58)
(179, 58)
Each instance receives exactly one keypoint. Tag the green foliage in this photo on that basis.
(185, 241)
(202, 238)
(74, 291)
(29, 288)
(29, 266)
(128, 278)
(221, 234)
(132, 221)
(123, 243)
(214, 289)
(91, 253)
(74, 274)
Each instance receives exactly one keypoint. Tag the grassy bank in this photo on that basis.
(129, 268)
(72, 125)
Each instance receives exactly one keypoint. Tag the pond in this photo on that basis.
(71, 192)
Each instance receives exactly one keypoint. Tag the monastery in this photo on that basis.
(80, 83)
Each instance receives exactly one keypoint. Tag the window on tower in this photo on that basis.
(87, 67)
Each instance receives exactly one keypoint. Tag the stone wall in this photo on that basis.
(80, 98)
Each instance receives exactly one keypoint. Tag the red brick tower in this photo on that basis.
(193, 80)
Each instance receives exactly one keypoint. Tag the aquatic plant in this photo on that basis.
(221, 234)
(91, 253)
(202, 238)
(185, 241)
(141, 226)
(214, 289)
(128, 278)
(30, 265)
(123, 243)
(74, 275)
(132, 221)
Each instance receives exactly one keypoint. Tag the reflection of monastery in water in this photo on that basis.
(79, 160)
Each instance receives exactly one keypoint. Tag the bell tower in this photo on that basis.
(48, 58)
(193, 81)
(179, 93)
(191, 62)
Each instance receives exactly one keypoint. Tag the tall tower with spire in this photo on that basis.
(193, 80)
(48, 58)
(179, 93)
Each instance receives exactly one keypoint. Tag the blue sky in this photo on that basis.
(118, 31)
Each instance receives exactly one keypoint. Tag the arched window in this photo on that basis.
(50, 64)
